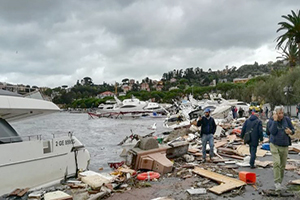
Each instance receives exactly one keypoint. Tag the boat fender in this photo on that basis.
(148, 176)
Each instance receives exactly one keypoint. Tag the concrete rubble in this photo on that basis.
(178, 157)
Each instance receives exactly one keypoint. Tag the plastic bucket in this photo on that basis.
(248, 177)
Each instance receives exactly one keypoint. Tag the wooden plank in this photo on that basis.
(263, 163)
(220, 144)
(290, 167)
(297, 182)
(192, 150)
(293, 160)
(244, 150)
(15, 192)
(232, 156)
(291, 148)
(229, 151)
(231, 138)
(226, 182)
(197, 154)
(24, 191)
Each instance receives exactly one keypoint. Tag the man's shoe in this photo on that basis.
(253, 167)
(278, 187)
(203, 161)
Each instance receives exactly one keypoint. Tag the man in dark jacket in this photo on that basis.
(253, 125)
(279, 128)
(208, 129)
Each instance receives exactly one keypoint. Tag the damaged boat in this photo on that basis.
(31, 161)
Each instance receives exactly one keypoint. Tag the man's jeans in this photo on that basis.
(252, 150)
(207, 138)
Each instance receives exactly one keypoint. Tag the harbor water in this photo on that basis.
(100, 136)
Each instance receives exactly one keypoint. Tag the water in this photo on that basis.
(100, 136)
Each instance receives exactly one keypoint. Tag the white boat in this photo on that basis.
(32, 161)
(176, 121)
(132, 107)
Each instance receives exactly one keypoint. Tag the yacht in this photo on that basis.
(31, 161)
(132, 107)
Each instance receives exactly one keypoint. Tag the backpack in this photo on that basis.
(247, 136)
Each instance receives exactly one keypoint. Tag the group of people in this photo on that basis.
(279, 129)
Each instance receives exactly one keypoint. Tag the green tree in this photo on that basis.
(292, 32)
(290, 54)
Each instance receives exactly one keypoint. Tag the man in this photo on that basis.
(208, 129)
(267, 112)
(241, 112)
(279, 128)
(253, 126)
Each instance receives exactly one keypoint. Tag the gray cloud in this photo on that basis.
(51, 43)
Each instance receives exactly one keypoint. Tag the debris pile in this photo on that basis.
(179, 156)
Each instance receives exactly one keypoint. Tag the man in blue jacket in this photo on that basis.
(279, 128)
(253, 126)
(208, 129)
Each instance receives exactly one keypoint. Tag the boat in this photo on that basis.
(176, 121)
(31, 161)
(132, 107)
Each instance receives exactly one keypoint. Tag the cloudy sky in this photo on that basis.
(57, 42)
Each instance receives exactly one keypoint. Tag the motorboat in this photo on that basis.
(176, 121)
(31, 161)
(132, 107)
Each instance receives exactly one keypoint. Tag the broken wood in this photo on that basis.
(296, 182)
(244, 150)
(232, 156)
(23, 192)
(192, 150)
(290, 167)
(188, 166)
(229, 151)
(263, 163)
(231, 166)
(227, 183)
(15, 192)
(197, 154)
(220, 144)
(291, 148)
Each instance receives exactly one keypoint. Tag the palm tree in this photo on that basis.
(292, 34)
(290, 54)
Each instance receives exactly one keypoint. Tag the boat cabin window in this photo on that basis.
(128, 106)
(8, 133)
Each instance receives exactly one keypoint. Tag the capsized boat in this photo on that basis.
(32, 161)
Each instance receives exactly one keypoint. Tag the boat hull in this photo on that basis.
(36, 162)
